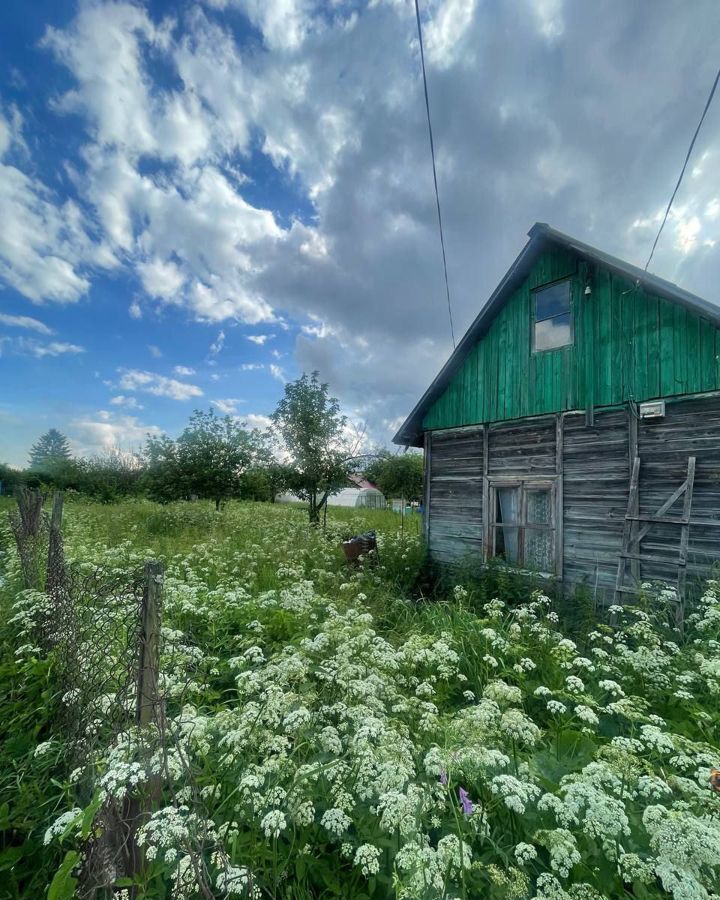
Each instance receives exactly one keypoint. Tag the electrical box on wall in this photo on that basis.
(654, 409)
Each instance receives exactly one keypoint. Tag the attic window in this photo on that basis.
(552, 325)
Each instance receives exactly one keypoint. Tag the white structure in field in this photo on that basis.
(363, 495)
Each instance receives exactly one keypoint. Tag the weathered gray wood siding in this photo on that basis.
(594, 468)
(455, 494)
(689, 428)
(525, 447)
(596, 472)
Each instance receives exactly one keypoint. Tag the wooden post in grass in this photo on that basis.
(149, 705)
(55, 581)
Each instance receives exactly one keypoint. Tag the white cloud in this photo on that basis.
(128, 402)
(43, 241)
(227, 406)
(54, 348)
(183, 370)
(257, 420)
(284, 24)
(259, 339)
(159, 385)
(333, 98)
(444, 32)
(277, 372)
(155, 352)
(250, 367)
(25, 322)
(217, 344)
(161, 279)
(108, 431)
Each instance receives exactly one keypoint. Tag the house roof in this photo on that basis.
(541, 236)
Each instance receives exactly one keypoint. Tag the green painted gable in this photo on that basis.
(628, 345)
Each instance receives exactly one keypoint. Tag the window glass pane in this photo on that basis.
(508, 504)
(506, 543)
(538, 507)
(552, 301)
(539, 550)
(552, 333)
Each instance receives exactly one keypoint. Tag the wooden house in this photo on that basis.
(575, 430)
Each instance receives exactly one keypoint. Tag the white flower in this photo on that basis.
(67, 820)
(525, 853)
(574, 684)
(367, 858)
(274, 823)
(336, 821)
(516, 794)
(585, 714)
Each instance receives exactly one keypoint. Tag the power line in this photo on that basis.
(432, 154)
(682, 172)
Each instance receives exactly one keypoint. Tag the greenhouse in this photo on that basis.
(370, 498)
(365, 497)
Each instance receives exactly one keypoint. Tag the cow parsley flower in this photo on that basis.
(585, 714)
(367, 857)
(67, 820)
(336, 821)
(274, 823)
(525, 853)
(515, 793)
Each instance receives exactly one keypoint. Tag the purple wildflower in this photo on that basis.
(465, 801)
(443, 778)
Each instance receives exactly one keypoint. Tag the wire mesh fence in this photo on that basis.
(103, 628)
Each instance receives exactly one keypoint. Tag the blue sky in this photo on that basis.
(200, 200)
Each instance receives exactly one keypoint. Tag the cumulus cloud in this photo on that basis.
(159, 385)
(184, 370)
(257, 420)
(44, 244)
(331, 96)
(108, 431)
(259, 339)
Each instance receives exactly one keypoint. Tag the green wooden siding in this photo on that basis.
(628, 345)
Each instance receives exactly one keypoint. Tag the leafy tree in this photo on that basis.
(312, 430)
(376, 463)
(208, 459)
(9, 477)
(111, 476)
(50, 450)
(401, 476)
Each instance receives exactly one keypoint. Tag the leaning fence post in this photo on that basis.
(27, 525)
(148, 699)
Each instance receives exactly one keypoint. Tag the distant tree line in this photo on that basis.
(309, 449)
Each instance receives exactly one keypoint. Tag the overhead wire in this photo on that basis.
(434, 170)
(682, 172)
